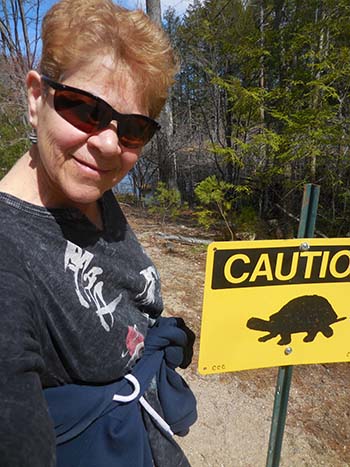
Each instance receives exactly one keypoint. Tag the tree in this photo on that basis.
(263, 88)
(19, 33)
(154, 11)
(166, 157)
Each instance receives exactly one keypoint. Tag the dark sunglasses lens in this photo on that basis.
(135, 131)
(79, 110)
(89, 115)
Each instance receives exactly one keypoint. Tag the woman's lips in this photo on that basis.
(90, 167)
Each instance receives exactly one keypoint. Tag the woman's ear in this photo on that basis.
(34, 93)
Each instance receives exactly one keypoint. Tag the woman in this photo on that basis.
(78, 294)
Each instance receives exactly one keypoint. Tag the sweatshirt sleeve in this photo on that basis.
(26, 431)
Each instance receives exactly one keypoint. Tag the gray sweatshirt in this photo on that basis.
(75, 305)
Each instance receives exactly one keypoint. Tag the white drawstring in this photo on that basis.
(155, 415)
(133, 395)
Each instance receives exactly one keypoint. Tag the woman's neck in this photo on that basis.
(22, 181)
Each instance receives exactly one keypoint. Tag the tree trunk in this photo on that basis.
(154, 11)
(18, 47)
(153, 8)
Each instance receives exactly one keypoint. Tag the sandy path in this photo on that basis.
(235, 409)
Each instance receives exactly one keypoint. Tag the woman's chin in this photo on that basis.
(85, 195)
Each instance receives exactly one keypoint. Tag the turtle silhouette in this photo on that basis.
(308, 313)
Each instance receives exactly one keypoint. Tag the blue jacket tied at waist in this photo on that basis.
(95, 428)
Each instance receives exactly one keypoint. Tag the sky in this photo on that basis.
(179, 5)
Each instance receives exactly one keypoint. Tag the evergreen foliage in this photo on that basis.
(265, 85)
(13, 130)
(216, 204)
(165, 202)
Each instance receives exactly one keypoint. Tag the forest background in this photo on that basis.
(259, 108)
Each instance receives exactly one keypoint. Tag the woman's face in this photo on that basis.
(74, 167)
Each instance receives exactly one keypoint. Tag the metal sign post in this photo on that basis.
(306, 230)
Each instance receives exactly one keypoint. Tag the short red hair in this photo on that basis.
(75, 32)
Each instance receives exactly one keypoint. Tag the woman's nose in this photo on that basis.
(106, 141)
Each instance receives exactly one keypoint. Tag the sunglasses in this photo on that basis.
(90, 113)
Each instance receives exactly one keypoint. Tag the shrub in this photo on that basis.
(165, 202)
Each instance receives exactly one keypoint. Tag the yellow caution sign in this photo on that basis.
(274, 303)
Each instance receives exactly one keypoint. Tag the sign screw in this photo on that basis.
(304, 246)
(288, 350)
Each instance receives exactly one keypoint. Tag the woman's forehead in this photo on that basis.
(104, 78)
(102, 69)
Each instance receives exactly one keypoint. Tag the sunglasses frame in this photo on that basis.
(115, 115)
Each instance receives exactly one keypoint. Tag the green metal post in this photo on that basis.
(306, 230)
(308, 212)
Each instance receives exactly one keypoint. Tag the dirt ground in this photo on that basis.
(235, 409)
